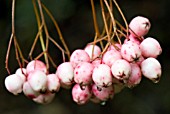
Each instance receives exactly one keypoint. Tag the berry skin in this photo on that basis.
(65, 74)
(134, 39)
(36, 65)
(78, 56)
(151, 69)
(38, 81)
(97, 62)
(53, 84)
(44, 98)
(13, 84)
(110, 57)
(81, 95)
(135, 76)
(29, 92)
(103, 93)
(150, 47)
(83, 73)
(130, 51)
(121, 70)
(139, 26)
(22, 73)
(93, 53)
(102, 76)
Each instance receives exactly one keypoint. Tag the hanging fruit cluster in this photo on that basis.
(117, 58)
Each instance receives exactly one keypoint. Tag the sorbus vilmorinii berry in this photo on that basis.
(14, 84)
(139, 26)
(65, 73)
(151, 69)
(102, 76)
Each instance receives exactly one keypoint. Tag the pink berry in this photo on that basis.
(53, 84)
(102, 76)
(130, 51)
(22, 73)
(78, 56)
(134, 39)
(38, 80)
(150, 47)
(83, 73)
(97, 62)
(44, 98)
(103, 93)
(121, 70)
(65, 74)
(36, 65)
(110, 57)
(81, 95)
(139, 26)
(29, 92)
(13, 84)
(151, 69)
(93, 51)
(135, 76)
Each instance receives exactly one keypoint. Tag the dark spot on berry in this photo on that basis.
(99, 89)
(76, 72)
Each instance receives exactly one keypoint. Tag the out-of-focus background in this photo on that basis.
(75, 20)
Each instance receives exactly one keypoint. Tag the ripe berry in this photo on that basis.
(38, 81)
(29, 92)
(14, 83)
(22, 73)
(134, 39)
(135, 76)
(150, 47)
(130, 51)
(97, 62)
(93, 51)
(103, 93)
(121, 70)
(44, 98)
(36, 65)
(151, 69)
(83, 73)
(53, 84)
(81, 95)
(65, 73)
(78, 56)
(110, 57)
(139, 26)
(102, 76)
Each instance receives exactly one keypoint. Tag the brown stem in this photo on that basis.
(124, 19)
(58, 30)
(12, 36)
(104, 19)
(94, 18)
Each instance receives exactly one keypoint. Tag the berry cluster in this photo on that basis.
(92, 74)
(34, 82)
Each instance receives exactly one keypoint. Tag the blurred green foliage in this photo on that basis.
(75, 21)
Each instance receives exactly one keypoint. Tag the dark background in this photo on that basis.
(75, 20)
